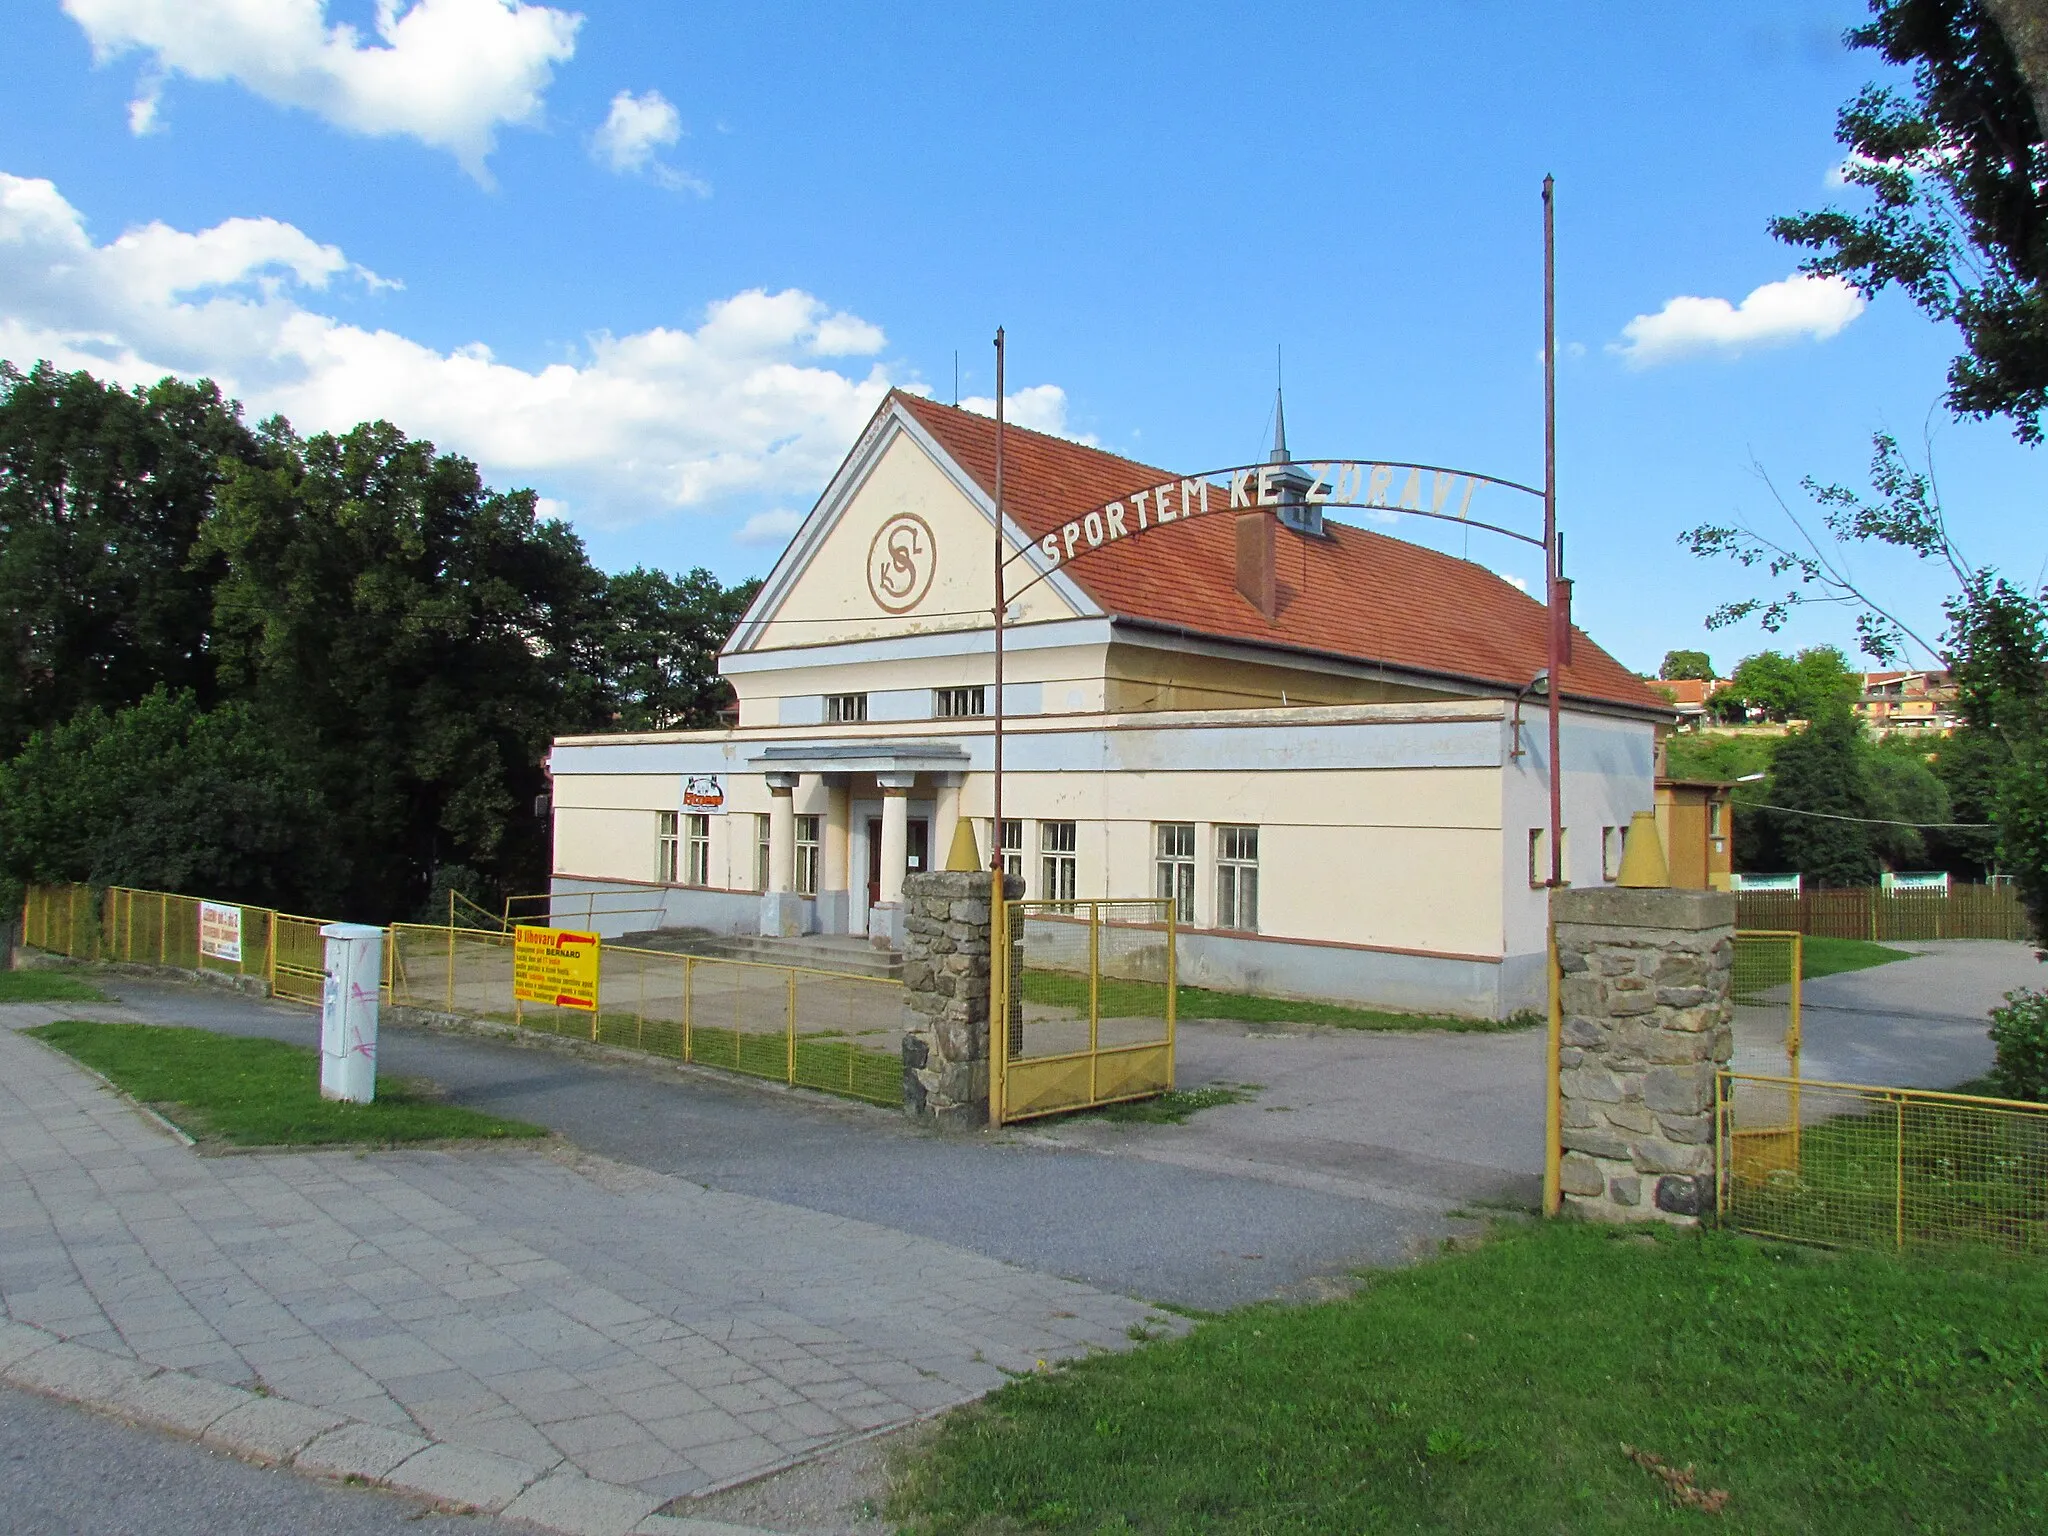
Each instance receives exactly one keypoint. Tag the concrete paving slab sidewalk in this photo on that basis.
(546, 1332)
(1210, 1235)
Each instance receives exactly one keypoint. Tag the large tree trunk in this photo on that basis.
(2024, 25)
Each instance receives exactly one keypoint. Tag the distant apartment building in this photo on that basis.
(1908, 701)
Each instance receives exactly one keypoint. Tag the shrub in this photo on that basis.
(2020, 1032)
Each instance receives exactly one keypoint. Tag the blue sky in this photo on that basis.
(659, 260)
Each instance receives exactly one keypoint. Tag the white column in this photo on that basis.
(895, 837)
(782, 910)
(835, 907)
(781, 832)
(945, 818)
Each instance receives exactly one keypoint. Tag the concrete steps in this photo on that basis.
(817, 952)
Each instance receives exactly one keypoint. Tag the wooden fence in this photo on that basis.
(1864, 912)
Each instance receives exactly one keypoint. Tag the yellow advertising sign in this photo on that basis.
(553, 965)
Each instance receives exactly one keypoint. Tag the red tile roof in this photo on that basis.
(1359, 595)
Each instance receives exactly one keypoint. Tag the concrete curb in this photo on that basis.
(274, 1431)
(175, 1132)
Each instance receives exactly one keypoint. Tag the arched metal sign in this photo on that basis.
(1409, 490)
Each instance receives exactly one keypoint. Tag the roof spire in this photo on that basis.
(1279, 455)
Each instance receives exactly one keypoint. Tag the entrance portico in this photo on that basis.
(874, 792)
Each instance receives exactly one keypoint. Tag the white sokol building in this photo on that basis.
(1321, 742)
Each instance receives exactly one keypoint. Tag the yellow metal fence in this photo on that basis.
(1765, 993)
(1884, 1167)
(808, 1028)
(1088, 1001)
(811, 1029)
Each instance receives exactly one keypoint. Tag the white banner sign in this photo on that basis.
(704, 794)
(220, 932)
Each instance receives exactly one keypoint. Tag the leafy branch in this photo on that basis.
(1906, 514)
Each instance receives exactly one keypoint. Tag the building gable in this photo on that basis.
(901, 544)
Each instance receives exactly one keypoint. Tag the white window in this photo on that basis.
(959, 703)
(1613, 843)
(1176, 867)
(807, 855)
(665, 847)
(1539, 857)
(697, 869)
(1013, 848)
(1057, 862)
(1237, 877)
(761, 847)
(846, 708)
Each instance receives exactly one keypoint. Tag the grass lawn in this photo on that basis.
(1147, 999)
(261, 1093)
(1830, 957)
(1538, 1384)
(1174, 1106)
(46, 987)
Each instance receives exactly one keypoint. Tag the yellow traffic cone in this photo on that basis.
(963, 858)
(1643, 865)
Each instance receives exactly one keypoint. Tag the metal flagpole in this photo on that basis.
(1553, 1105)
(996, 829)
(1000, 977)
(1553, 587)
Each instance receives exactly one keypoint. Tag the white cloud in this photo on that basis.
(634, 131)
(1041, 407)
(448, 72)
(771, 527)
(1798, 306)
(737, 409)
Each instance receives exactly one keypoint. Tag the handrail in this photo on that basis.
(1889, 1091)
(674, 954)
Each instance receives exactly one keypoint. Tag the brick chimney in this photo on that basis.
(1256, 561)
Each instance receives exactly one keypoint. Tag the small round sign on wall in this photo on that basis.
(901, 563)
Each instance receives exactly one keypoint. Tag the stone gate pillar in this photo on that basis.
(947, 921)
(1647, 1021)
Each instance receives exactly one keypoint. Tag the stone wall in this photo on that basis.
(1647, 1021)
(946, 921)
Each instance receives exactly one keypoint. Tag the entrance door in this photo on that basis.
(917, 849)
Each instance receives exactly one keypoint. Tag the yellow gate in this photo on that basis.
(1083, 1013)
(1765, 1066)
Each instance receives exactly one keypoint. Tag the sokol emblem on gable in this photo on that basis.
(901, 563)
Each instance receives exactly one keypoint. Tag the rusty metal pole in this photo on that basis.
(1553, 1106)
(999, 914)
(996, 824)
(1553, 589)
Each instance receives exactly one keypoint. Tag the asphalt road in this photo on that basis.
(1149, 1229)
(64, 1471)
(1918, 1023)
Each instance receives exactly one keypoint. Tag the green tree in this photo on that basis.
(1793, 688)
(102, 494)
(1904, 789)
(663, 635)
(1820, 771)
(418, 638)
(1825, 681)
(167, 796)
(1957, 180)
(1687, 664)
(1971, 762)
